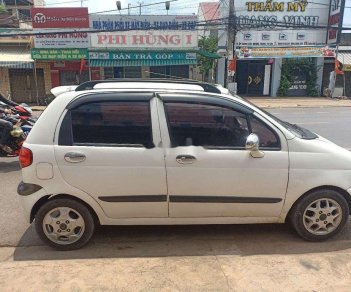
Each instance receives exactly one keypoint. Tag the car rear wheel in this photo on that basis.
(64, 224)
(320, 215)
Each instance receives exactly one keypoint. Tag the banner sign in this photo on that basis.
(335, 20)
(298, 84)
(145, 39)
(63, 40)
(59, 54)
(142, 56)
(160, 22)
(60, 17)
(247, 53)
(281, 23)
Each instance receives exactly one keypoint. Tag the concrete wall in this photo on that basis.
(47, 75)
(4, 81)
(221, 71)
(319, 64)
(276, 74)
(145, 74)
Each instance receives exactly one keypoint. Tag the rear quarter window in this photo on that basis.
(110, 124)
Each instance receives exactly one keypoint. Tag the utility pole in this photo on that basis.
(231, 36)
(140, 3)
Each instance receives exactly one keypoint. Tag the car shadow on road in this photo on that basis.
(193, 240)
(6, 167)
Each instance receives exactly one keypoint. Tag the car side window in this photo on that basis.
(207, 125)
(268, 138)
(112, 124)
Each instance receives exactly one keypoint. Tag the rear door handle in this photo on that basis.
(74, 157)
(185, 159)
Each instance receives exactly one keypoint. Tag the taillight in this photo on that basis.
(25, 157)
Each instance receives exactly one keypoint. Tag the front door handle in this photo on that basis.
(74, 157)
(185, 159)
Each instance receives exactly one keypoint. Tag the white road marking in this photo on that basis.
(322, 112)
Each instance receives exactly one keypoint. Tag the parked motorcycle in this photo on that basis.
(23, 110)
(17, 136)
(22, 122)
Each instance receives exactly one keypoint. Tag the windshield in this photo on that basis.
(293, 128)
(298, 131)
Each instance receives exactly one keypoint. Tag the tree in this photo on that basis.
(2, 8)
(210, 45)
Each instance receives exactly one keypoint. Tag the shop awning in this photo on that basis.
(137, 63)
(209, 55)
(16, 57)
(345, 59)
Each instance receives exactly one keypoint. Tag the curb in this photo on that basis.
(300, 106)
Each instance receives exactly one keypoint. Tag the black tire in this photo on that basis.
(297, 213)
(75, 205)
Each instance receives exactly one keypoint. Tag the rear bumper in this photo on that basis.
(25, 189)
(29, 195)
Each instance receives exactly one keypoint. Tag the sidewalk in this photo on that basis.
(282, 102)
(299, 102)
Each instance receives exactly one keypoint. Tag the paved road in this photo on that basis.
(186, 257)
(331, 123)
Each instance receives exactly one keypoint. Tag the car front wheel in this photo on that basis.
(64, 224)
(320, 215)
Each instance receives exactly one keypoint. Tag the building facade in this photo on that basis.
(270, 33)
(133, 46)
(208, 13)
(20, 78)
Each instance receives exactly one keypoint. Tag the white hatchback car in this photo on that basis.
(142, 152)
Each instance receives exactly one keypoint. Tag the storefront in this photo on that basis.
(260, 71)
(254, 76)
(64, 54)
(143, 64)
(167, 50)
(342, 85)
(270, 34)
(67, 66)
(21, 80)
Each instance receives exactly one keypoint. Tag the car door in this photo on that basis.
(108, 147)
(209, 172)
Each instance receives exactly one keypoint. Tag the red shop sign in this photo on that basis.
(60, 17)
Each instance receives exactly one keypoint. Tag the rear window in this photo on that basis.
(112, 124)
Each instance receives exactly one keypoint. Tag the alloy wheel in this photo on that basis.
(63, 225)
(322, 216)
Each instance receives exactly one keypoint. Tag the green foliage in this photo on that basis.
(294, 66)
(2, 8)
(209, 44)
(284, 86)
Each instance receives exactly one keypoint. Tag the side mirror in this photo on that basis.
(252, 144)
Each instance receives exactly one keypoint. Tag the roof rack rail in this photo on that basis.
(88, 85)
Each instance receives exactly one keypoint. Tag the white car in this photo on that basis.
(153, 152)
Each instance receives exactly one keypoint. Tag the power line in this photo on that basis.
(214, 22)
(114, 10)
(65, 2)
(257, 24)
(49, 32)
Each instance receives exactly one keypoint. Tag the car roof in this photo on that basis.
(151, 83)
